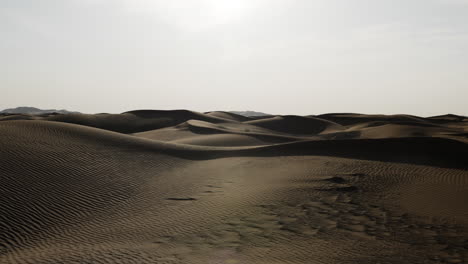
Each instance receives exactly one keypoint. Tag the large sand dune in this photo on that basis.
(185, 187)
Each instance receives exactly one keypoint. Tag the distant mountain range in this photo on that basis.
(249, 113)
(33, 111)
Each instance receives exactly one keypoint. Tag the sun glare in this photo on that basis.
(194, 15)
(224, 11)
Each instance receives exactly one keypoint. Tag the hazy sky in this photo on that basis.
(276, 56)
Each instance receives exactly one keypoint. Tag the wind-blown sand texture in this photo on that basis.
(186, 187)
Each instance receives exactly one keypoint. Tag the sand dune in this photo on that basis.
(448, 118)
(296, 124)
(405, 130)
(196, 132)
(229, 116)
(349, 119)
(16, 117)
(188, 187)
(132, 121)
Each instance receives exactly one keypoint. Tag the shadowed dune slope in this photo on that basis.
(417, 150)
(346, 119)
(397, 130)
(230, 140)
(178, 116)
(296, 124)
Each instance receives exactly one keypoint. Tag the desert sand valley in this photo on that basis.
(179, 186)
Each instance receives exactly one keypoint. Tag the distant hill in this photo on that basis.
(33, 111)
(249, 113)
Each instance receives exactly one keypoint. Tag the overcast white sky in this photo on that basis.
(275, 56)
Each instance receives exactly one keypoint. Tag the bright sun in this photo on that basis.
(195, 14)
(224, 11)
